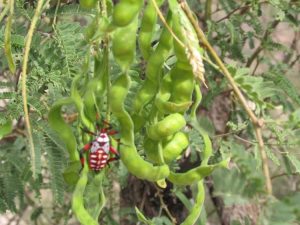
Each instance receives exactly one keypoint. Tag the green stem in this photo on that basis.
(55, 14)
(24, 77)
(208, 5)
(106, 55)
(4, 12)
(198, 98)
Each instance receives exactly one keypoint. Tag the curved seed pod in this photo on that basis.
(175, 92)
(153, 71)
(166, 127)
(195, 174)
(78, 202)
(147, 28)
(123, 44)
(96, 87)
(77, 99)
(126, 11)
(129, 156)
(171, 147)
(151, 150)
(196, 210)
(65, 132)
(174, 147)
(58, 124)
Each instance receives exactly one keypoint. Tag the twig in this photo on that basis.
(260, 47)
(242, 8)
(217, 201)
(264, 159)
(257, 122)
(162, 18)
(24, 76)
(233, 11)
(208, 6)
(284, 174)
(164, 206)
(3, 13)
(294, 61)
(55, 14)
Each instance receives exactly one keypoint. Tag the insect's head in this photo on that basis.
(102, 138)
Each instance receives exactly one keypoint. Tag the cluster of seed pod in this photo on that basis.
(164, 104)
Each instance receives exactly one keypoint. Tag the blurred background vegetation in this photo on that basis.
(260, 43)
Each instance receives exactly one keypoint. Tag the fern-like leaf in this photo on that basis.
(56, 161)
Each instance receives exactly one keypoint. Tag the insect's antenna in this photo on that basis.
(107, 124)
(87, 131)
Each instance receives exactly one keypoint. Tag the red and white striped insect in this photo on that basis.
(99, 149)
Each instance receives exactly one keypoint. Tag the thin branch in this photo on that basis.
(257, 122)
(264, 159)
(162, 18)
(4, 12)
(24, 76)
(243, 9)
(55, 14)
(284, 174)
(260, 47)
(294, 61)
(164, 206)
(208, 6)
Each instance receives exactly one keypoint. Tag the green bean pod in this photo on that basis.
(151, 150)
(123, 44)
(65, 132)
(166, 127)
(96, 87)
(78, 201)
(126, 11)
(153, 71)
(196, 174)
(175, 93)
(196, 210)
(58, 124)
(76, 96)
(129, 156)
(162, 98)
(147, 28)
(172, 147)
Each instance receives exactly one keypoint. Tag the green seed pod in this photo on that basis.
(166, 127)
(147, 28)
(174, 147)
(162, 98)
(129, 155)
(124, 43)
(195, 174)
(126, 11)
(153, 71)
(151, 150)
(77, 200)
(196, 210)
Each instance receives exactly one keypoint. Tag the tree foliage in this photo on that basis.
(247, 36)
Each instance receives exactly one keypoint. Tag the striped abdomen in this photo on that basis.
(98, 159)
